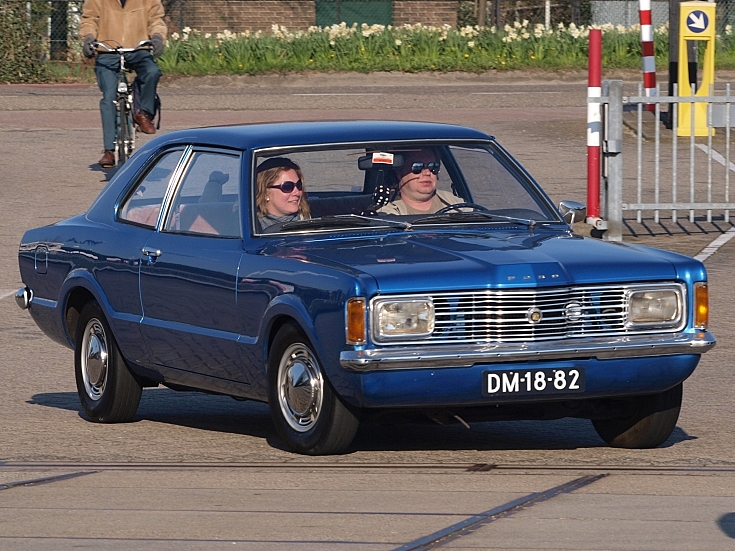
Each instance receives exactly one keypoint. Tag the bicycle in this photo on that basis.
(125, 128)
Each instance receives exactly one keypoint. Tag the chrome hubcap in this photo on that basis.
(300, 387)
(94, 357)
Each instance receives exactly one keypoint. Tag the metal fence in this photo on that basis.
(501, 12)
(672, 175)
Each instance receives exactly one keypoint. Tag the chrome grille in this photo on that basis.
(497, 316)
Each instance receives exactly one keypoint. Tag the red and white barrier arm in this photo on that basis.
(594, 127)
(649, 54)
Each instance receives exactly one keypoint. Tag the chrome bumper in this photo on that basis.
(23, 298)
(431, 357)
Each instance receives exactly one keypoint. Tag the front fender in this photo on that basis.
(327, 344)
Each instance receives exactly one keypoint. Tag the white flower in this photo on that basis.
(471, 44)
(728, 30)
(398, 42)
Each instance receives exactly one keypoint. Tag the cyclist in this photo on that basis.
(124, 23)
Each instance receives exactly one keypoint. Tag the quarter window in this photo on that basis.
(143, 206)
(208, 199)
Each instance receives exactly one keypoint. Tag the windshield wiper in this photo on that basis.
(461, 216)
(339, 220)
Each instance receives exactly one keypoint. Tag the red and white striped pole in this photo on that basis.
(594, 126)
(649, 54)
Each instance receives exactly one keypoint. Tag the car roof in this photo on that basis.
(308, 133)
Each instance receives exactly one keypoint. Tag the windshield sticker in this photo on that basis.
(380, 157)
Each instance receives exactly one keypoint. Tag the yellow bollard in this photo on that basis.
(697, 22)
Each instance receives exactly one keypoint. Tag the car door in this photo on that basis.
(188, 271)
(138, 216)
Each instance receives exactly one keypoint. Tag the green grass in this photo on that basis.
(409, 48)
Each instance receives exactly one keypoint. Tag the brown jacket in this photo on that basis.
(109, 22)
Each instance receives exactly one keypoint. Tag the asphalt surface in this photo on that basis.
(194, 471)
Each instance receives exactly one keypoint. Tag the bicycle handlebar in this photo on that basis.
(143, 45)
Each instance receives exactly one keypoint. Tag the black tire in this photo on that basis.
(107, 390)
(123, 133)
(305, 409)
(651, 421)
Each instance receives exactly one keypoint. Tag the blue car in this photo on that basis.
(343, 272)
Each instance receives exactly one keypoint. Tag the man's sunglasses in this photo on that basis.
(287, 187)
(418, 168)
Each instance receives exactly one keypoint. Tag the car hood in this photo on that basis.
(461, 260)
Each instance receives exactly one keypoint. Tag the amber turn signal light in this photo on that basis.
(701, 305)
(356, 321)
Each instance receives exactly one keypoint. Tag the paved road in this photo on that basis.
(194, 470)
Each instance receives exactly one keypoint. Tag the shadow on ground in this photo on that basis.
(222, 414)
(727, 524)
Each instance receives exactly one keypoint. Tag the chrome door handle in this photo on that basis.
(148, 251)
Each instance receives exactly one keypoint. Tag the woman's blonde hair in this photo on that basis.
(267, 173)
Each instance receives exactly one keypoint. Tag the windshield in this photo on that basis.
(396, 186)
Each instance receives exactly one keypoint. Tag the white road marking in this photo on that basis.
(355, 94)
(4, 293)
(711, 249)
(511, 93)
(715, 156)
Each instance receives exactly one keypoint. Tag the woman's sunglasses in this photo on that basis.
(418, 168)
(287, 187)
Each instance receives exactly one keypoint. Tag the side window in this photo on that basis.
(208, 199)
(144, 204)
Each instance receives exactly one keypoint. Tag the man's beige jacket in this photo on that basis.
(109, 22)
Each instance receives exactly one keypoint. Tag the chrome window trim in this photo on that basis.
(173, 185)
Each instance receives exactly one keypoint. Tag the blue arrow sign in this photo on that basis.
(697, 21)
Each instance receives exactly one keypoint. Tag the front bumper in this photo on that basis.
(604, 348)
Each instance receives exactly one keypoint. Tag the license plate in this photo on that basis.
(533, 381)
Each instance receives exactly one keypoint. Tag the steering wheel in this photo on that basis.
(457, 206)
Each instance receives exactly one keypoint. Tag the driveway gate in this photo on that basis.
(672, 174)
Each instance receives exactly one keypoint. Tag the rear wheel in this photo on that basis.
(305, 409)
(107, 390)
(649, 421)
(123, 133)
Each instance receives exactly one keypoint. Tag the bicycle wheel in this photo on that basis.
(123, 131)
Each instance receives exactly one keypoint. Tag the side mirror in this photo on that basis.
(572, 211)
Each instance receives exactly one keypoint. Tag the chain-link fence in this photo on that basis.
(502, 12)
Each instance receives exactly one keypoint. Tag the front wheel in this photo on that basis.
(649, 421)
(305, 409)
(107, 390)
(123, 132)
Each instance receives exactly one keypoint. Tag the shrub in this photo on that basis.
(21, 41)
